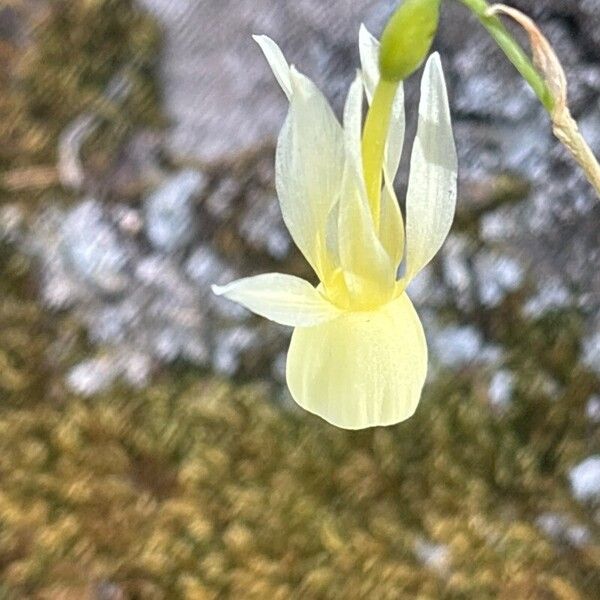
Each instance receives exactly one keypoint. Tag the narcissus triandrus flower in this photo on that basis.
(358, 355)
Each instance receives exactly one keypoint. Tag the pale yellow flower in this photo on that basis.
(358, 355)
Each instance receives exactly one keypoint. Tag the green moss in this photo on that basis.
(199, 489)
(200, 486)
(76, 50)
(22, 339)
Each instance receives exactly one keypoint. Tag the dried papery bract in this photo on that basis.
(544, 57)
(548, 64)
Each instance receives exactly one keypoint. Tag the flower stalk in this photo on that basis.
(512, 49)
(405, 43)
(373, 143)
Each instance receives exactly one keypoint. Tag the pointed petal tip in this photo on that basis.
(364, 34)
(276, 61)
(434, 70)
(262, 38)
(218, 290)
(434, 60)
(285, 299)
(264, 41)
(368, 48)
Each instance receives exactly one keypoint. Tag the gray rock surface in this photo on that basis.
(137, 271)
(219, 91)
(585, 479)
(169, 211)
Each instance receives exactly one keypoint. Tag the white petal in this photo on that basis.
(368, 48)
(276, 61)
(309, 161)
(431, 195)
(395, 138)
(391, 226)
(309, 166)
(281, 298)
(353, 114)
(362, 369)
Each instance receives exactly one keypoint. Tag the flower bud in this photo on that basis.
(407, 38)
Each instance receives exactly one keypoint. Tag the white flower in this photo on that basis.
(358, 355)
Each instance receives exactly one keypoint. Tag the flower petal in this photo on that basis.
(309, 164)
(281, 298)
(391, 226)
(395, 138)
(353, 114)
(431, 195)
(276, 61)
(362, 369)
(368, 48)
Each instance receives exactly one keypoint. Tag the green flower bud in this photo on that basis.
(407, 38)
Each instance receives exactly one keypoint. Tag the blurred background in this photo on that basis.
(148, 447)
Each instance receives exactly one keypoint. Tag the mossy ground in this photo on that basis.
(57, 67)
(197, 488)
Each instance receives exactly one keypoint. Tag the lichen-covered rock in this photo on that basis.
(169, 210)
(138, 274)
(92, 250)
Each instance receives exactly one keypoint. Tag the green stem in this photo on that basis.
(374, 137)
(513, 51)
